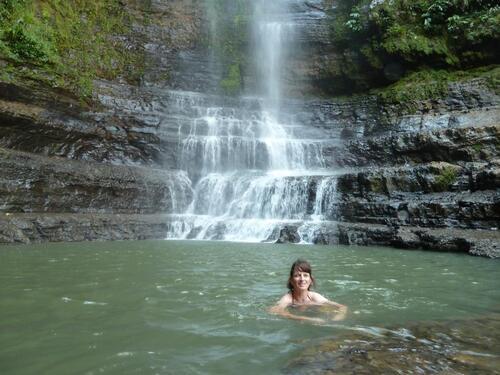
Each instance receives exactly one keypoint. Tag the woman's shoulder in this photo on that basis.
(318, 298)
(287, 298)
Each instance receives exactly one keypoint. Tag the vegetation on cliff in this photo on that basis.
(428, 84)
(227, 38)
(382, 41)
(67, 44)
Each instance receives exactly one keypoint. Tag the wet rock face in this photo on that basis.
(475, 242)
(459, 144)
(430, 195)
(57, 227)
(31, 123)
(288, 234)
(37, 118)
(413, 173)
(31, 183)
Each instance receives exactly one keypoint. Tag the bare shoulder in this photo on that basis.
(286, 300)
(282, 304)
(317, 298)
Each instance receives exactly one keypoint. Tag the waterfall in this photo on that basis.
(251, 171)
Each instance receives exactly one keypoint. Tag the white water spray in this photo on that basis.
(250, 174)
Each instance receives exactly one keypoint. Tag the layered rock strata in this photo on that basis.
(67, 227)
(33, 183)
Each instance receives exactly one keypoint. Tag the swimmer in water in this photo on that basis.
(300, 294)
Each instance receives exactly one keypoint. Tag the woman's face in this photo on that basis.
(301, 280)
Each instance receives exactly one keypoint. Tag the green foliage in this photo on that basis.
(446, 177)
(354, 23)
(412, 46)
(71, 43)
(27, 39)
(414, 34)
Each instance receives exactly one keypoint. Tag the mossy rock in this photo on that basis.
(445, 175)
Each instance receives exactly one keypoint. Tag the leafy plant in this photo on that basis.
(70, 43)
(413, 35)
(29, 40)
(354, 23)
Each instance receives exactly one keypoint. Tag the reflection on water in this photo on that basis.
(181, 307)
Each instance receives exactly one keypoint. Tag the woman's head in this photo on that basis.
(301, 269)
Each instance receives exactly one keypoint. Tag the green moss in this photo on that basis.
(418, 86)
(477, 147)
(433, 84)
(232, 83)
(491, 78)
(446, 177)
(412, 46)
(68, 44)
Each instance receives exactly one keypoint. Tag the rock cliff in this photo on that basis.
(423, 174)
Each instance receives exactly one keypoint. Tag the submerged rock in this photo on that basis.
(450, 347)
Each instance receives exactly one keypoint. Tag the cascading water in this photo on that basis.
(250, 171)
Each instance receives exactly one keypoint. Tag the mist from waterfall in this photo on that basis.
(251, 174)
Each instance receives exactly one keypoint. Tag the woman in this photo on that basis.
(300, 294)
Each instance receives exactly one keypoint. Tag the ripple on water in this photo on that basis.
(226, 310)
(95, 303)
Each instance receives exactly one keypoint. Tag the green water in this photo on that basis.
(184, 307)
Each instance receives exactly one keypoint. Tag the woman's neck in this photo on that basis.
(300, 296)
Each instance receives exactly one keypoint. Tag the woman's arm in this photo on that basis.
(341, 309)
(280, 309)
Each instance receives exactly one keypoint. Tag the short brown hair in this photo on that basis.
(301, 265)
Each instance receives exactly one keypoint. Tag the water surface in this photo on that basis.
(190, 307)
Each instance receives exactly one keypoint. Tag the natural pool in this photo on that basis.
(186, 307)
